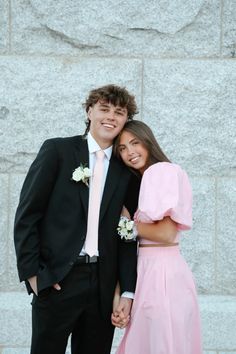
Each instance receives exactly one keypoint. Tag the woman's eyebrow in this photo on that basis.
(128, 142)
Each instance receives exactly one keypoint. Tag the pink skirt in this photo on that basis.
(165, 315)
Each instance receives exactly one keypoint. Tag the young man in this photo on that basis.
(73, 285)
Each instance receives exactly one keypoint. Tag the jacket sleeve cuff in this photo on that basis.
(128, 294)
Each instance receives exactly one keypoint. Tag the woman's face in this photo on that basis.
(133, 152)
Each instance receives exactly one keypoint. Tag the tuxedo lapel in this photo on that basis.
(113, 177)
(82, 158)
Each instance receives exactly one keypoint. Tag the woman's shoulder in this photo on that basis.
(166, 191)
(163, 168)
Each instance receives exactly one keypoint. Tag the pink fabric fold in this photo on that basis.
(165, 191)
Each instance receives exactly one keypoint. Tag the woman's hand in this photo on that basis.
(125, 212)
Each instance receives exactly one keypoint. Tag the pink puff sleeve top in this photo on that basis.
(165, 191)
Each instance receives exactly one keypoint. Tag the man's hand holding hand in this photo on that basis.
(121, 315)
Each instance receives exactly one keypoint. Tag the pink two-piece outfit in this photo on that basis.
(165, 315)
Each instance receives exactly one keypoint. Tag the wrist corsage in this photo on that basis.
(127, 229)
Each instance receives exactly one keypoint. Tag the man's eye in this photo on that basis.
(120, 113)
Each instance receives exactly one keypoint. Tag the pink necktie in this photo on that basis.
(91, 242)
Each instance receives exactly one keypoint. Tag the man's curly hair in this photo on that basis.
(116, 95)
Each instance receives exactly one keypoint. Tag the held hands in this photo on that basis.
(121, 316)
(33, 284)
(121, 309)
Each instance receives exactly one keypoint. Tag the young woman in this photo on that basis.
(165, 315)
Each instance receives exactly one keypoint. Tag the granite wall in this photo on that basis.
(178, 58)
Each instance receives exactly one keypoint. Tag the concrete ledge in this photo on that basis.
(218, 315)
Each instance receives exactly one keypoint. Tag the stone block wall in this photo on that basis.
(178, 58)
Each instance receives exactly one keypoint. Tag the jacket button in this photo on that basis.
(71, 264)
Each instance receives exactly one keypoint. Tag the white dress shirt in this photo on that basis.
(93, 147)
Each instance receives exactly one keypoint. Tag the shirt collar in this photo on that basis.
(93, 146)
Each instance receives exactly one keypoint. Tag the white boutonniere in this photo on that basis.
(127, 229)
(82, 173)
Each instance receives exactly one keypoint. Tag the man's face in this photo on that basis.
(107, 121)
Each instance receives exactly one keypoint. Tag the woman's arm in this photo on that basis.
(161, 231)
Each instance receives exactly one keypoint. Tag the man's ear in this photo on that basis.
(89, 113)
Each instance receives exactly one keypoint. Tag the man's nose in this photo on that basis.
(111, 115)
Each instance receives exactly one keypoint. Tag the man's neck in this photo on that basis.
(103, 144)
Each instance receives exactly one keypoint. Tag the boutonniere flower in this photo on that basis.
(82, 173)
(127, 229)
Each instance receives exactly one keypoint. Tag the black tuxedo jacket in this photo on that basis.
(51, 219)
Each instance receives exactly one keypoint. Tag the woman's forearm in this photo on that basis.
(161, 231)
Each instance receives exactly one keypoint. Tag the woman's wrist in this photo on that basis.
(135, 229)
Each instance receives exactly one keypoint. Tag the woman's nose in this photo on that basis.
(130, 150)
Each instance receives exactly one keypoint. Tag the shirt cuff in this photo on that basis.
(128, 294)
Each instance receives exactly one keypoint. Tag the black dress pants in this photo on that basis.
(72, 310)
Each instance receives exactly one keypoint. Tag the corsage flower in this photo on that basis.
(127, 229)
